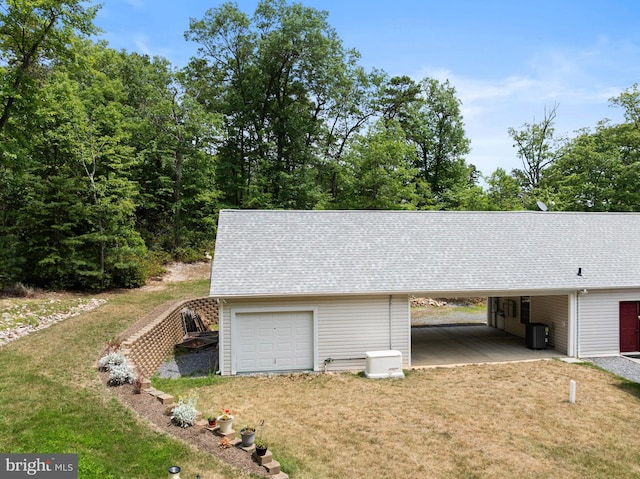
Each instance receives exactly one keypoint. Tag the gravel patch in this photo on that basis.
(21, 330)
(620, 365)
(192, 364)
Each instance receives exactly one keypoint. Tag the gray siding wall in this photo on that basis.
(599, 321)
(550, 310)
(510, 324)
(348, 327)
(554, 312)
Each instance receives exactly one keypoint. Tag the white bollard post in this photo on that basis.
(572, 391)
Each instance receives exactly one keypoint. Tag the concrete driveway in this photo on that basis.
(450, 345)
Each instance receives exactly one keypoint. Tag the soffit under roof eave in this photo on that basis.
(415, 293)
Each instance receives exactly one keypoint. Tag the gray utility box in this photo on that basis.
(537, 336)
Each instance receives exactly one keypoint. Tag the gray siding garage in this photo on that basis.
(331, 331)
(309, 290)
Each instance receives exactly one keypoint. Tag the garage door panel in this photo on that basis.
(272, 341)
(247, 333)
(265, 363)
(247, 364)
(247, 348)
(284, 332)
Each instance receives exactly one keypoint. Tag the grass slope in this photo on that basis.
(479, 421)
(52, 401)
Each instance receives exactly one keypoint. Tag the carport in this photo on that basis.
(463, 344)
(318, 289)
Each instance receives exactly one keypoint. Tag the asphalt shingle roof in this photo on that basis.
(275, 252)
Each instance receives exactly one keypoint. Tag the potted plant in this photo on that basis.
(212, 421)
(248, 434)
(261, 447)
(225, 421)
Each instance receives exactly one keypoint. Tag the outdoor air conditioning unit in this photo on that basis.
(383, 364)
(537, 336)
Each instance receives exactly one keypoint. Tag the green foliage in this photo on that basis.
(32, 34)
(595, 172)
(379, 171)
(286, 88)
(537, 147)
(504, 192)
(106, 156)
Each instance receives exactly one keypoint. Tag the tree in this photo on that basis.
(504, 191)
(400, 98)
(595, 172)
(629, 100)
(537, 148)
(78, 223)
(169, 130)
(276, 77)
(429, 113)
(439, 136)
(600, 170)
(378, 172)
(31, 34)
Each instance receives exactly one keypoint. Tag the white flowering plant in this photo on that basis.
(185, 413)
(120, 371)
(112, 359)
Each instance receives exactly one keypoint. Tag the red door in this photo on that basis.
(629, 328)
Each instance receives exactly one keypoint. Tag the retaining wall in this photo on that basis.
(148, 343)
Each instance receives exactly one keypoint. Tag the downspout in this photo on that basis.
(578, 309)
(572, 305)
(390, 325)
(221, 332)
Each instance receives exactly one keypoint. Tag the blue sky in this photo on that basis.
(507, 60)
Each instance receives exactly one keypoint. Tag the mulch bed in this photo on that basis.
(150, 409)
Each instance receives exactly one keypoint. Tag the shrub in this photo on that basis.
(107, 361)
(121, 374)
(185, 413)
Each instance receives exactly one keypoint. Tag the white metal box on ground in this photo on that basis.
(383, 364)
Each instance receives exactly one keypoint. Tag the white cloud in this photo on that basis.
(580, 82)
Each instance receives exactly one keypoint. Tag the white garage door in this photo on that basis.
(274, 341)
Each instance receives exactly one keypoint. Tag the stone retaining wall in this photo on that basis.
(148, 343)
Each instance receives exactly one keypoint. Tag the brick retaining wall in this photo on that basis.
(151, 340)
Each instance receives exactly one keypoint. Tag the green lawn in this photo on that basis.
(480, 421)
(52, 401)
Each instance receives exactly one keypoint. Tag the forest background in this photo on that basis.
(112, 163)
